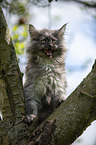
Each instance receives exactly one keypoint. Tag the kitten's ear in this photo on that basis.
(62, 30)
(32, 31)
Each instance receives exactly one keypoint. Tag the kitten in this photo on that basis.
(45, 85)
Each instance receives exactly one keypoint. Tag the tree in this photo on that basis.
(91, 4)
(62, 127)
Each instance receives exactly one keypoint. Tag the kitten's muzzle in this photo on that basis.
(48, 52)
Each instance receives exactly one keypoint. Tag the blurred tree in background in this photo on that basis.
(19, 30)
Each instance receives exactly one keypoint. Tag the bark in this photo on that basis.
(65, 124)
(11, 88)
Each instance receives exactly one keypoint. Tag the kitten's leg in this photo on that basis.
(31, 105)
(31, 110)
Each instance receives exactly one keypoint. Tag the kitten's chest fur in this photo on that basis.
(47, 82)
(47, 78)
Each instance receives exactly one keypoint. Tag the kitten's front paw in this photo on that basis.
(30, 118)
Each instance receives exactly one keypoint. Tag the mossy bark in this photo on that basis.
(61, 128)
(76, 113)
(11, 88)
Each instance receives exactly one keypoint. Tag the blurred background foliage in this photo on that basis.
(19, 36)
(19, 30)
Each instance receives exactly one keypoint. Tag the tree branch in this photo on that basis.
(87, 3)
(11, 88)
(70, 120)
(90, 4)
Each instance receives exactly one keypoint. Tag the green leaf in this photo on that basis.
(15, 28)
(19, 47)
(15, 36)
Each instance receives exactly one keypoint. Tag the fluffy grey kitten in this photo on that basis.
(45, 85)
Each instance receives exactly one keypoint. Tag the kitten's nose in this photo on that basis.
(50, 44)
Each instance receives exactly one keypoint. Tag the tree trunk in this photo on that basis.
(11, 88)
(62, 127)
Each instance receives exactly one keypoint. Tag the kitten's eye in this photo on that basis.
(43, 41)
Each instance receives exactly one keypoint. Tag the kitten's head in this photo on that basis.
(46, 43)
